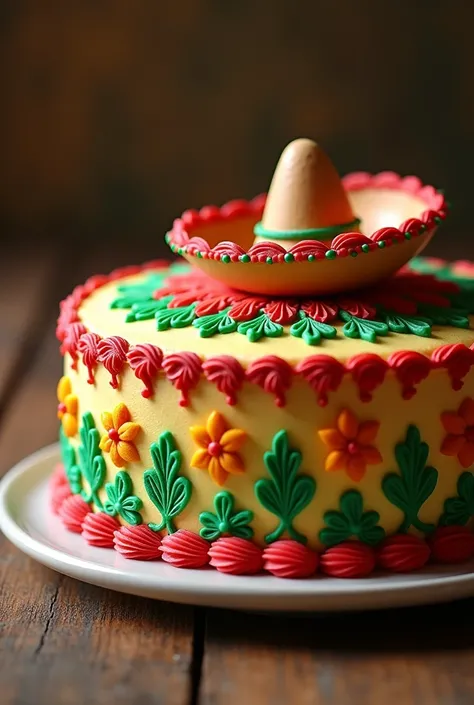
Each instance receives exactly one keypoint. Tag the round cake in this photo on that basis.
(294, 394)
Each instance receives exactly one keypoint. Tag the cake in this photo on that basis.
(293, 394)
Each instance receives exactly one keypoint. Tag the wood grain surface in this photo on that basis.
(65, 642)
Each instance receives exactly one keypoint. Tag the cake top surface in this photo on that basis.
(425, 306)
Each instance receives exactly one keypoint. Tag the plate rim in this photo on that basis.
(236, 592)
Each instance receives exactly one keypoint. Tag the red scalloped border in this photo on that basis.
(346, 244)
(285, 558)
(324, 373)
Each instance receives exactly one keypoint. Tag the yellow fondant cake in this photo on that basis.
(290, 422)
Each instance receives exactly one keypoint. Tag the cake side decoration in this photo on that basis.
(351, 521)
(91, 462)
(288, 491)
(68, 459)
(169, 491)
(88, 348)
(351, 445)
(227, 374)
(218, 448)
(410, 489)
(184, 371)
(145, 360)
(119, 437)
(121, 501)
(112, 352)
(459, 428)
(67, 407)
(226, 520)
(459, 510)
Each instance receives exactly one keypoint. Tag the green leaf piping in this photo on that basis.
(456, 317)
(287, 493)
(180, 317)
(169, 492)
(215, 323)
(351, 521)
(139, 292)
(121, 500)
(355, 327)
(91, 462)
(311, 331)
(410, 489)
(68, 457)
(260, 327)
(416, 325)
(460, 509)
(226, 521)
(147, 310)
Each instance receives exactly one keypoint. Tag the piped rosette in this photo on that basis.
(313, 233)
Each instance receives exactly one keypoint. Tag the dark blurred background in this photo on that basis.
(118, 114)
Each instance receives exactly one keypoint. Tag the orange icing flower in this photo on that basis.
(218, 446)
(350, 445)
(67, 407)
(460, 433)
(121, 432)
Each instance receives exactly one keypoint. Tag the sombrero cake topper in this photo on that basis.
(306, 199)
(314, 233)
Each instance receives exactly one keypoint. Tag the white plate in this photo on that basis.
(26, 520)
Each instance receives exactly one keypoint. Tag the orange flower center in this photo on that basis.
(214, 449)
(114, 435)
(469, 434)
(62, 408)
(352, 448)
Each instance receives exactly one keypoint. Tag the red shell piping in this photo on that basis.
(284, 558)
(73, 512)
(403, 553)
(236, 556)
(181, 240)
(322, 372)
(350, 559)
(98, 529)
(452, 544)
(290, 559)
(138, 543)
(58, 495)
(58, 477)
(184, 549)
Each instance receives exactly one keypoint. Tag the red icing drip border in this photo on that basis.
(181, 239)
(273, 374)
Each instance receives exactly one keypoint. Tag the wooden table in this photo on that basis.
(62, 641)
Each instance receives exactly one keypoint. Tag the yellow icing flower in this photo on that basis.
(67, 407)
(350, 445)
(119, 436)
(218, 446)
